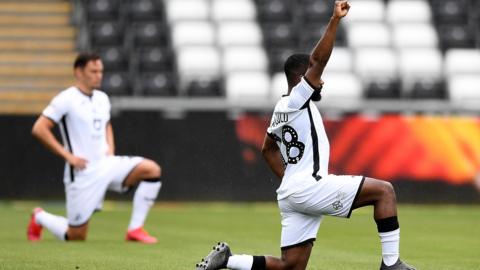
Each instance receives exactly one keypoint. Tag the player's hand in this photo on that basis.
(78, 163)
(341, 9)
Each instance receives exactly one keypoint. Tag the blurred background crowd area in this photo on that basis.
(234, 50)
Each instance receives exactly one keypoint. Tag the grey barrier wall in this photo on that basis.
(201, 156)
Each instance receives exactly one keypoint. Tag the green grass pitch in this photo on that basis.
(443, 237)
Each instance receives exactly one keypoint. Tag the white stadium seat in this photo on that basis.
(236, 10)
(244, 59)
(464, 87)
(414, 35)
(462, 61)
(340, 60)
(408, 11)
(341, 86)
(366, 11)
(372, 63)
(279, 86)
(239, 33)
(368, 35)
(421, 63)
(198, 61)
(186, 33)
(247, 86)
(177, 10)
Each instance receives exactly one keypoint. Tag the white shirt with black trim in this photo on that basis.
(298, 129)
(83, 120)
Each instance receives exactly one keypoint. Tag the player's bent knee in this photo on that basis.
(153, 170)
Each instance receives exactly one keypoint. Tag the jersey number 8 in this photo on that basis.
(290, 140)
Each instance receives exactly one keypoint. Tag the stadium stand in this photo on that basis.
(387, 49)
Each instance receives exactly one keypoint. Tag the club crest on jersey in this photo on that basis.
(279, 118)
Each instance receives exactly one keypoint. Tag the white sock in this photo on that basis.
(57, 225)
(390, 246)
(240, 262)
(143, 200)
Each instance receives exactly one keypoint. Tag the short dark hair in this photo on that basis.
(83, 58)
(296, 66)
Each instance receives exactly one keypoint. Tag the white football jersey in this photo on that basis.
(82, 120)
(297, 127)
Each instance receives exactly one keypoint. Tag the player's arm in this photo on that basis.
(42, 130)
(110, 140)
(271, 153)
(322, 51)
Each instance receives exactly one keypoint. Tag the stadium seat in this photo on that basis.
(204, 87)
(278, 86)
(277, 57)
(459, 61)
(103, 10)
(187, 33)
(367, 11)
(456, 36)
(239, 33)
(340, 60)
(106, 33)
(116, 83)
(375, 62)
(233, 10)
(311, 34)
(275, 10)
(377, 69)
(341, 86)
(149, 34)
(197, 62)
(280, 35)
(450, 11)
(316, 11)
(179, 10)
(368, 35)
(154, 59)
(420, 68)
(247, 86)
(140, 10)
(244, 59)
(157, 84)
(399, 11)
(464, 87)
(114, 58)
(414, 35)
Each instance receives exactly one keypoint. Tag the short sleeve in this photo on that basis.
(300, 94)
(57, 108)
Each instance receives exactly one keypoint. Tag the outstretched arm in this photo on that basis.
(271, 153)
(322, 51)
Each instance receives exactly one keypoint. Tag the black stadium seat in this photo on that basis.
(106, 33)
(456, 36)
(114, 58)
(157, 83)
(275, 10)
(204, 87)
(103, 10)
(154, 59)
(149, 34)
(317, 11)
(141, 10)
(450, 11)
(116, 83)
(280, 35)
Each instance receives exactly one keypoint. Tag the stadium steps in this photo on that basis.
(37, 49)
